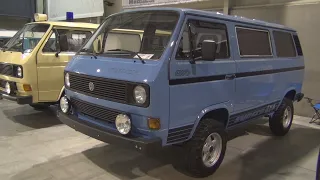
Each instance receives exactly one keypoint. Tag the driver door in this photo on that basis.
(197, 85)
(52, 58)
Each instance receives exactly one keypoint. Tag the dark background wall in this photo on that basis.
(18, 8)
(15, 13)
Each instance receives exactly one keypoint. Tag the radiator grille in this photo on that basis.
(103, 88)
(6, 69)
(94, 111)
(2, 83)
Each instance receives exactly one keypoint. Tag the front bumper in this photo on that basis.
(18, 99)
(140, 144)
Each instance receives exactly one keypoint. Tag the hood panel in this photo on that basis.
(13, 57)
(115, 68)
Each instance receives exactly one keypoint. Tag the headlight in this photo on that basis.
(139, 94)
(7, 88)
(123, 124)
(67, 80)
(19, 71)
(64, 104)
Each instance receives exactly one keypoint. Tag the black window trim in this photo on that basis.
(254, 29)
(294, 43)
(186, 24)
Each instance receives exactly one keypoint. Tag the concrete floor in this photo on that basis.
(35, 145)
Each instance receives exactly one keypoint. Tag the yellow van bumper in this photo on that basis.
(18, 99)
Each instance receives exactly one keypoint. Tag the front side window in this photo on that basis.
(126, 35)
(27, 38)
(201, 31)
(74, 39)
(284, 44)
(253, 42)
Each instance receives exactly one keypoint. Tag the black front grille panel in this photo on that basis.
(6, 69)
(2, 83)
(94, 111)
(103, 88)
(13, 86)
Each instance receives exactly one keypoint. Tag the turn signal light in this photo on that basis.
(27, 87)
(154, 123)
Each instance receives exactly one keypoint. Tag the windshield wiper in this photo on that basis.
(132, 52)
(89, 51)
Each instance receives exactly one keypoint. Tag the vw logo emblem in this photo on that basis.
(91, 86)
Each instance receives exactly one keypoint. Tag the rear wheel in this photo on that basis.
(205, 151)
(280, 123)
(40, 106)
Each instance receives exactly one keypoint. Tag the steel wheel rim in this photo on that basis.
(287, 117)
(211, 149)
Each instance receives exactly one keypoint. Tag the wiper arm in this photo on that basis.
(132, 52)
(90, 52)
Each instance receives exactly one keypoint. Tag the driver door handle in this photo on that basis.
(230, 76)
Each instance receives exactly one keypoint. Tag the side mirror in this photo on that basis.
(63, 44)
(208, 50)
(63, 41)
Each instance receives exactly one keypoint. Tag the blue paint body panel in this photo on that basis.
(178, 101)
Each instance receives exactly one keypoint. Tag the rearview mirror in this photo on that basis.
(208, 50)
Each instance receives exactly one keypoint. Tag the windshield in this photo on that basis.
(133, 35)
(27, 38)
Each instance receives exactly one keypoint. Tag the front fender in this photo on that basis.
(289, 89)
(61, 93)
(226, 105)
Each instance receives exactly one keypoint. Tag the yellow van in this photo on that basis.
(33, 60)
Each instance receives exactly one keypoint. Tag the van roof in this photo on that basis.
(217, 15)
(68, 24)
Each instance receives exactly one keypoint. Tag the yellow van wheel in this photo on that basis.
(40, 106)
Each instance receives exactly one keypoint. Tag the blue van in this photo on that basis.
(155, 77)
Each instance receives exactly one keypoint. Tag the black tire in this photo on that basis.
(193, 158)
(40, 106)
(276, 121)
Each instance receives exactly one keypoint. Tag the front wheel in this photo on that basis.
(206, 150)
(281, 121)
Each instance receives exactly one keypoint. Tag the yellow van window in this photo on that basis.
(73, 38)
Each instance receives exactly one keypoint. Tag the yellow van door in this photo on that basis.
(52, 58)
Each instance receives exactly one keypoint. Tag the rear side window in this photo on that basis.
(298, 45)
(284, 44)
(253, 42)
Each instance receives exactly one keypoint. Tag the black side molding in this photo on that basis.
(223, 76)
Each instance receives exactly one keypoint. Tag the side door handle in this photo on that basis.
(230, 76)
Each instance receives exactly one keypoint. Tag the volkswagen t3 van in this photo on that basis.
(188, 78)
(33, 60)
